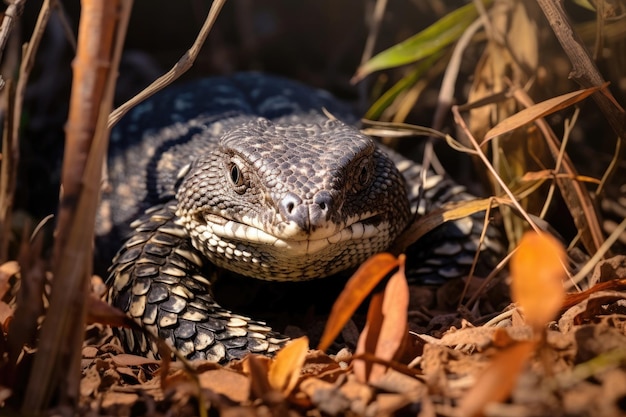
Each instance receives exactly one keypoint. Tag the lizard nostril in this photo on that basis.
(289, 204)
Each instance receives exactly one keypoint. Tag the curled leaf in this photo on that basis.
(357, 289)
(286, 368)
(386, 326)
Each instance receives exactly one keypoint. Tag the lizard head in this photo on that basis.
(292, 201)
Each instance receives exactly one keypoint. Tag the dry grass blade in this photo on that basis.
(367, 340)
(490, 168)
(435, 218)
(576, 196)
(602, 250)
(357, 289)
(537, 111)
(287, 366)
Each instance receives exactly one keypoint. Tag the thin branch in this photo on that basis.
(57, 6)
(11, 14)
(9, 168)
(575, 194)
(584, 70)
(183, 64)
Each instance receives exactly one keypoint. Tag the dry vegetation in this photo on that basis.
(519, 86)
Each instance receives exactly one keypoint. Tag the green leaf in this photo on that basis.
(404, 84)
(425, 43)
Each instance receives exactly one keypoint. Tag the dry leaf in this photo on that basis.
(360, 285)
(386, 326)
(497, 380)
(538, 111)
(367, 340)
(98, 311)
(110, 399)
(310, 385)
(125, 359)
(574, 298)
(537, 273)
(258, 367)
(222, 381)
(287, 366)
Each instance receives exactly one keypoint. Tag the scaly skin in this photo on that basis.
(246, 174)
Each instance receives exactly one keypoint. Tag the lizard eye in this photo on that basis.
(237, 178)
(364, 173)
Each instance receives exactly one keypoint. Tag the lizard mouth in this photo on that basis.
(303, 244)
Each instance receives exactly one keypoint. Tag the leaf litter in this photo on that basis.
(523, 355)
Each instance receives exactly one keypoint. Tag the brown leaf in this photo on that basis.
(113, 398)
(357, 289)
(101, 312)
(598, 304)
(537, 273)
(367, 340)
(125, 359)
(287, 366)
(258, 368)
(90, 382)
(538, 111)
(574, 298)
(89, 352)
(497, 380)
(222, 381)
(310, 385)
(386, 326)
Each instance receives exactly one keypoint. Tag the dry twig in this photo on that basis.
(584, 71)
(11, 14)
(183, 64)
(57, 362)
